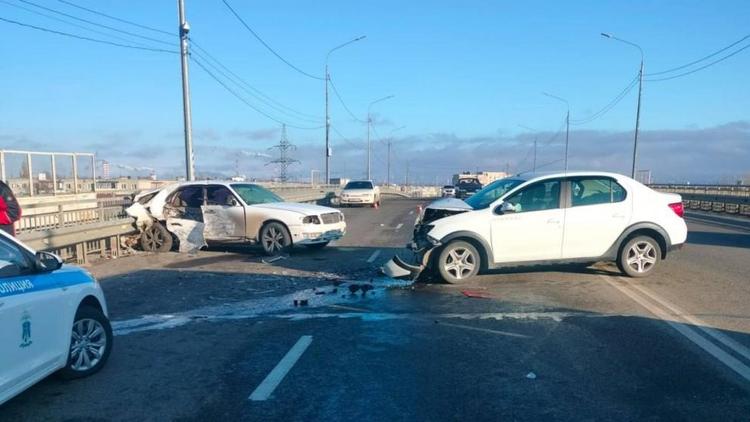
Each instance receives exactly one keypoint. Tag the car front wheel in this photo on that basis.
(639, 256)
(90, 343)
(275, 239)
(458, 261)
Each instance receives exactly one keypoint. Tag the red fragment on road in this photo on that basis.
(476, 294)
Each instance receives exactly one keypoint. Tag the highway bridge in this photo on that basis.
(217, 334)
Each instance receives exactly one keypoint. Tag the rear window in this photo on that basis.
(358, 185)
(595, 190)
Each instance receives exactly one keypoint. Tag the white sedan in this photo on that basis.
(53, 318)
(574, 217)
(215, 211)
(360, 192)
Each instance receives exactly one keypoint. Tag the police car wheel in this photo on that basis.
(90, 343)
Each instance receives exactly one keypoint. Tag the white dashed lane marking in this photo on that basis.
(374, 256)
(274, 378)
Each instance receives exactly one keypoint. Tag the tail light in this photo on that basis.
(678, 209)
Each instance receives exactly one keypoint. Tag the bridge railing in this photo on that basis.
(729, 199)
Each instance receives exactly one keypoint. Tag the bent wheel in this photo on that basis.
(275, 239)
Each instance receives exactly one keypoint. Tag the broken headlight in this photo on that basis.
(311, 219)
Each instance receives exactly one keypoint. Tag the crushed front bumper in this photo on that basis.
(421, 249)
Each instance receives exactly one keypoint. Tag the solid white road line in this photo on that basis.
(373, 257)
(274, 378)
(701, 325)
(399, 226)
(691, 334)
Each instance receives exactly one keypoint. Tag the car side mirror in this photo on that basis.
(232, 201)
(505, 207)
(47, 261)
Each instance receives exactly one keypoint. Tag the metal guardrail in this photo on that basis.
(729, 199)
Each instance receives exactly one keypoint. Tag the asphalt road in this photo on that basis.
(216, 336)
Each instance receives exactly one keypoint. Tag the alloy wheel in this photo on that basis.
(641, 257)
(460, 263)
(88, 343)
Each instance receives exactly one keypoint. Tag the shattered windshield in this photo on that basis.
(254, 194)
(487, 195)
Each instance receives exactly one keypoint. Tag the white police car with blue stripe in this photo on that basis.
(53, 318)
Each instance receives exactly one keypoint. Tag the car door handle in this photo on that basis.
(553, 221)
(618, 216)
(209, 212)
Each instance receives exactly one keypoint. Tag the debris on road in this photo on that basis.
(476, 294)
(273, 259)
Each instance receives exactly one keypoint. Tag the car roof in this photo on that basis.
(579, 173)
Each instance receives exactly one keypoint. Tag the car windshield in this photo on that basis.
(254, 194)
(484, 197)
(358, 185)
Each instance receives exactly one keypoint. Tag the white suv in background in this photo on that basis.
(569, 217)
(360, 192)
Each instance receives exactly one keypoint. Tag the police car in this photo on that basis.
(53, 318)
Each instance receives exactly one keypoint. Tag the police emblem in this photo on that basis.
(25, 330)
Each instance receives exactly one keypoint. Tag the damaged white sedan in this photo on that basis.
(194, 213)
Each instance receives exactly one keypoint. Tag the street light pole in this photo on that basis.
(567, 124)
(638, 109)
(186, 114)
(328, 119)
(369, 122)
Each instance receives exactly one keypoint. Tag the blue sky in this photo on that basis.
(462, 74)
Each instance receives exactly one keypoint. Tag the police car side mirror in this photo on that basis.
(47, 261)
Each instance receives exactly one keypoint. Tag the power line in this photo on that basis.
(268, 47)
(247, 103)
(345, 139)
(341, 100)
(81, 37)
(700, 68)
(249, 89)
(111, 28)
(117, 19)
(85, 28)
(604, 110)
(701, 59)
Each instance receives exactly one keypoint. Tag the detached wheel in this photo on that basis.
(458, 262)
(639, 256)
(275, 239)
(316, 246)
(156, 238)
(90, 343)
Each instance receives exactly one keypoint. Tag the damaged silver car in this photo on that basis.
(194, 213)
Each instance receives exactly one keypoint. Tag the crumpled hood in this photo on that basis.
(452, 204)
(443, 208)
(304, 209)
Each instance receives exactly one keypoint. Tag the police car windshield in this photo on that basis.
(487, 195)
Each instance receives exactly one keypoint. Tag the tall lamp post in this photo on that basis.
(369, 122)
(328, 119)
(567, 124)
(640, 89)
(388, 171)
